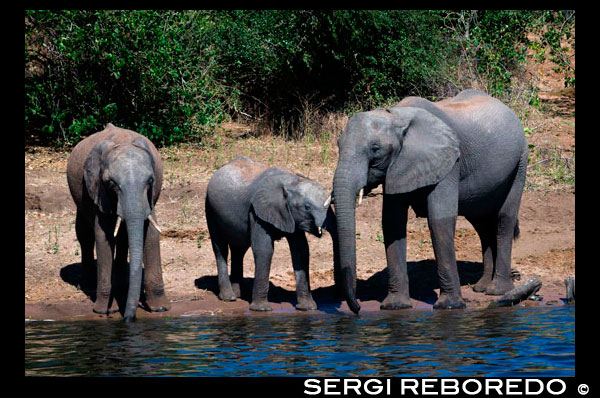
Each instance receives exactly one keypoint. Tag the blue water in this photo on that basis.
(501, 342)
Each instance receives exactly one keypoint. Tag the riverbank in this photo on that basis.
(546, 247)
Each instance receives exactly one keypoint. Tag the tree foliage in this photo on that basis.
(140, 69)
(173, 75)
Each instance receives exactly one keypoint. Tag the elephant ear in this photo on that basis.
(93, 169)
(430, 148)
(271, 205)
(141, 142)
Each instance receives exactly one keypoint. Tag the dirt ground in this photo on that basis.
(546, 247)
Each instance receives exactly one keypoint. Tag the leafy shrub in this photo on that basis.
(137, 69)
(336, 60)
(174, 75)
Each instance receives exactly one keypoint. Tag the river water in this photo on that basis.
(501, 342)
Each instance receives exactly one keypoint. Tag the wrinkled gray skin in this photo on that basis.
(117, 172)
(465, 155)
(249, 204)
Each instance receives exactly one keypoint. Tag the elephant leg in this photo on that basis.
(300, 261)
(502, 280)
(237, 269)
(394, 219)
(105, 247)
(154, 287)
(85, 235)
(120, 271)
(221, 250)
(442, 237)
(442, 209)
(262, 249)
(507, 230)
(486, 229)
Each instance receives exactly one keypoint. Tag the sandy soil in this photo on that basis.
(546, 247)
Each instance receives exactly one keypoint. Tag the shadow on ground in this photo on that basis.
(72, 275)
(422, 275)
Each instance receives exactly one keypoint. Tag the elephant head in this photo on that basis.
(121, 180)
(290, 201)
(403, 148)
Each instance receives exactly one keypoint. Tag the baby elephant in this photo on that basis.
(249, 204)
(115, 175)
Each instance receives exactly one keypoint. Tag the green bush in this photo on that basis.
(137, 69)
(336, 60)
(174, 75)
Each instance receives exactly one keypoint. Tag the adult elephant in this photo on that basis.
(115, 175)
(465, 155)
(249, 204)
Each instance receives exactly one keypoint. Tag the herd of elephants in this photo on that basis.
(465, 155)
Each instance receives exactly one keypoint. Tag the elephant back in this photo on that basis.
(491, 139)
(244, 170)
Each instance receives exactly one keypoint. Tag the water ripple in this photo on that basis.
(514, 342)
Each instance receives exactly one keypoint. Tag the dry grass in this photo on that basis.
(551, 161)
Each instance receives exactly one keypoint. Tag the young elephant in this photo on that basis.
(249, 204)
(116, 175)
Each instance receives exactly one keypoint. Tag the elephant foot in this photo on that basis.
(499, 286)
(306, 304)
(106, 311)
(158, 303)
(396, 301)
(237, 291)
(227, 295)
(104, 306)
(260, 306)
(449, 301)
(482, 285)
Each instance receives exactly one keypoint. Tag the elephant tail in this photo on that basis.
(517, 231)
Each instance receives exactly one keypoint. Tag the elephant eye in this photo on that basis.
(375, 148)
(307, 206)
(151, 180)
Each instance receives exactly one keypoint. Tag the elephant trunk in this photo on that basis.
(345, 188)
(135, 232)
(134, 209)
(330, 225)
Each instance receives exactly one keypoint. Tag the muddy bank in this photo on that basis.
(371, 293)
(70, 311)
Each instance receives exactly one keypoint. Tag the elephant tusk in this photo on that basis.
(328, 201)
(360, 195)
(154, 223)
(320, 231)
(117, 225)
